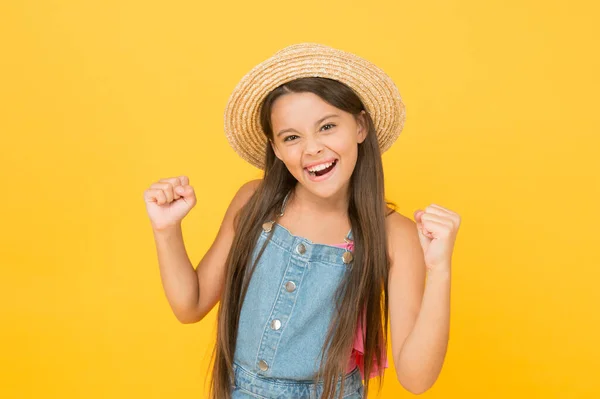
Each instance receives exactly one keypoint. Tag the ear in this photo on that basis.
(362, 127)
(275, 150)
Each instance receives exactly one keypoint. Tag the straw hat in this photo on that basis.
(374, 87)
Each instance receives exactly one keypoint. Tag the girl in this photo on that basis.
(310, 260)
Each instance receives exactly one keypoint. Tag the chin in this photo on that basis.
(324, 189)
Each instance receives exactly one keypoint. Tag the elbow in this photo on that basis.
(188, 316)
(189, 320)
(415, 389)
(418, 391)
(415, 385)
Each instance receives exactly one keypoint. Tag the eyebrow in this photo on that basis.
(316, 124)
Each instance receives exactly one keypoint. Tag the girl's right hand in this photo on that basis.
(168, 201)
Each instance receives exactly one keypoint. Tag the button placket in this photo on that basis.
(284, 304)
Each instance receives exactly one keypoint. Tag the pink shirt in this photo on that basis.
(358, 348)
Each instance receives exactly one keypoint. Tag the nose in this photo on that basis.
(313, 146)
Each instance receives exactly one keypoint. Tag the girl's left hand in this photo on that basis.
(437, 227)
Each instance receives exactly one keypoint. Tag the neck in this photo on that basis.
(307, 202)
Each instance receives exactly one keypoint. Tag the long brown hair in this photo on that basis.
(364, 287)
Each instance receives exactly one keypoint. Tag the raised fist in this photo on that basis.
(168, 201)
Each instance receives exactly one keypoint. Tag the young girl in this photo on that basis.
(310, 260)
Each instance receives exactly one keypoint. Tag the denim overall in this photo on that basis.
(284, 318)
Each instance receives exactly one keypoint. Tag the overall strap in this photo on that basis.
(349, 235)
(285, 200)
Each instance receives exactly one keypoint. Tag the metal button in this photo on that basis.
(267, 226)
(290, 286)
(276, 324)
(347, 257)
(263, 365)
(301, 248)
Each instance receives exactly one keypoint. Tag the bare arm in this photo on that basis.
(419, 313)
(193, 293)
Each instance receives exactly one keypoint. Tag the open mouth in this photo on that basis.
(322, 173)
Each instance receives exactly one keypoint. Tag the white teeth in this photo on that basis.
(320, 167)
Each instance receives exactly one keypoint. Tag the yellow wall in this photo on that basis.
(100, 99)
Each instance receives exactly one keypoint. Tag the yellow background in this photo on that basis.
(99, 99)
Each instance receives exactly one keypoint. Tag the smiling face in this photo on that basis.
(317, 142)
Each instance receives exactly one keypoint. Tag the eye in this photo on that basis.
(286, 139)
(329, 124)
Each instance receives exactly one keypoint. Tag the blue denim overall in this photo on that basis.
(284, 318)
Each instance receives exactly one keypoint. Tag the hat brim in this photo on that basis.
(373, 86)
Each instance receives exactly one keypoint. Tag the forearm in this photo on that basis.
(177, 273)
(422, 356)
